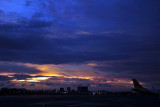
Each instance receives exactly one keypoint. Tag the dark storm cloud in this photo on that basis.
(21, 76)
(124, 32)
(123, 14)
(24, 26)
(23, 85)
(4, 78)
(104, 85)
(28, 40)
(28, 3)
(40, 49)
(6, 67)
(32, 85)
(7, 84)
(76, 80)
(5, 81)
(144, 70)
(1, 12)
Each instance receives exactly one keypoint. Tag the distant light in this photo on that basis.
(10, 76)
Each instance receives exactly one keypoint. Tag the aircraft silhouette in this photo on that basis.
(149, 91)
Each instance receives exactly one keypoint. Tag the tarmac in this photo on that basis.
(80, 101)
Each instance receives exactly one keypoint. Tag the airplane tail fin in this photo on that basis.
(137, 85)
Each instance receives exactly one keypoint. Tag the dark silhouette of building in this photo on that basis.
(68, 89)
(82, 89)
(61, 89)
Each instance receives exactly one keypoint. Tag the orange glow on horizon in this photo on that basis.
(46, 70)
(121, 82)
(92, 64)
(6, 74)
(59, 71)
(79, 77)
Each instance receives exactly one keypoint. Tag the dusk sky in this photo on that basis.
(101, 44)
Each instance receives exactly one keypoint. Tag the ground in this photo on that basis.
(80, 101)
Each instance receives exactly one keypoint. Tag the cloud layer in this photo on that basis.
(120, 37)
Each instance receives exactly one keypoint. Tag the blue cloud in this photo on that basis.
(80, 31)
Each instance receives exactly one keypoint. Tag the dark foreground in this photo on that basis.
(80, 101)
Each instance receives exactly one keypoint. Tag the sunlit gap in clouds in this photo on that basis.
(59, 71)
(34, 79)
(51, 71)
(66, 74)
(80, 71)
